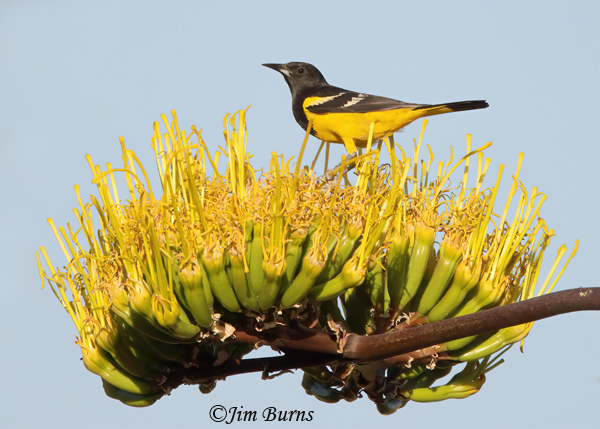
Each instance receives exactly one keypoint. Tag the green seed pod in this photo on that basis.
(141, 324)
(152, 361)
(109, 341)
(166, 315)
(206, 388)
(320, 390)
(401, 372)
(143, 318)
(244, 293)
(348, 243)
(419, 259)
(173, 318)
(351, 276)
(131, 399)
(137, 346)
(319, 373)
(308, 241)
(214, 264)
(397, 267)
(179, 289)
(312, 265)
(464, 384)
(190, 277)
(163, 314)
(208, 295)
(375, 285)
(487, 293)
(165, 351)
(274, 269)
(500, 339)
(120, 308)
(465, 279)
(293, 257)
(256, 276)
(441, 393)
(358, 310)
(99, 362)
(390, 405)
(180, 353)
(449, 257)
(426, 379)
(141, 303)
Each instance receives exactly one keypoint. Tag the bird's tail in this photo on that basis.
(438, 109)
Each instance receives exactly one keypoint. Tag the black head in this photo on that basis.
(299, 76)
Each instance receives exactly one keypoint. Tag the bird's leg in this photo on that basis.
(329, 177)
(326, 158)
(312, 166)
(346, 180)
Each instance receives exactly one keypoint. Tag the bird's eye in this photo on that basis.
(300, 70)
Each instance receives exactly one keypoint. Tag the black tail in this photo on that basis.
(457, 106)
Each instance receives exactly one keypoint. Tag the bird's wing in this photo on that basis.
(336, 100)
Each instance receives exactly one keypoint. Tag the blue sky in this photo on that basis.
(74, 76)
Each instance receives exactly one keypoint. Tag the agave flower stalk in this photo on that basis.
(161, 282)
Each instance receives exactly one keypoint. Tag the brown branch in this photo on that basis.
(298, 338)
(291, 360)
(377, 347)
(305, 348)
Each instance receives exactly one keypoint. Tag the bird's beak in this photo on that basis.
(281, 68)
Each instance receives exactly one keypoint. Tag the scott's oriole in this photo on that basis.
(342, 116)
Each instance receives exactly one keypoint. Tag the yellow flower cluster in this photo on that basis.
(168, 277)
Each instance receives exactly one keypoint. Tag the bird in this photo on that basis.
(346, 117)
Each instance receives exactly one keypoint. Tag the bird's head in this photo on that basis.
(299, 76)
